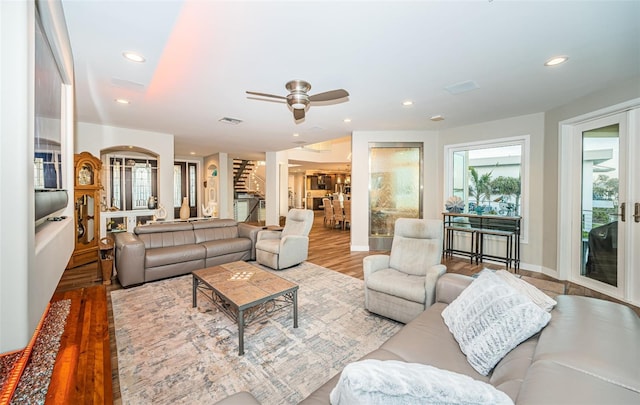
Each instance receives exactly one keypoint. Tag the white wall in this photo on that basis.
(93, 138)
(31, 262)
(222, 183)
(532, 125)
(360, 178)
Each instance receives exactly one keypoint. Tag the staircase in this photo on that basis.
(245, 180)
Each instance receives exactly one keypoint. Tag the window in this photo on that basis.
(131, 181)
(489, 176)
(185, 181)
(47, 162)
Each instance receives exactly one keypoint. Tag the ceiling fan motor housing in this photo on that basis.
(298, 98)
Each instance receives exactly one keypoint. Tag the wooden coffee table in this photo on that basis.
(245, 293)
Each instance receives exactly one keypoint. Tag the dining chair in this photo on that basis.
(338, 215)
(347, 214)
(328, 212)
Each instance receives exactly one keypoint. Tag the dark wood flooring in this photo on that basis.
(88, 354)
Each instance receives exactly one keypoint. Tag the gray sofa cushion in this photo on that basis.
(173, 254)
(225, 246)
(215, 230)
(416, 342)
(158, 239)
(596, 337)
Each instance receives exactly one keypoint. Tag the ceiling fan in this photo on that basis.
(299, 100)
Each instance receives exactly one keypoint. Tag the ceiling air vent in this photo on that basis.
(462, 87)
(232, 121)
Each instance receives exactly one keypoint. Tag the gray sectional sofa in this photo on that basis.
(162, 250)
(588, 353)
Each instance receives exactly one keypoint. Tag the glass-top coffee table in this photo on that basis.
(245, 293)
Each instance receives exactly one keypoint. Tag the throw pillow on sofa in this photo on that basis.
(391, 382)
(489, 318)
(538, 297)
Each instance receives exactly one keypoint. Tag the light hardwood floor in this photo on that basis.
(84, 365)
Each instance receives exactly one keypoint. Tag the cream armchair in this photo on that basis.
(286, 248)
(402, 285)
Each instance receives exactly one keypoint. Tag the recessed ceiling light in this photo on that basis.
(347, 120)
(437, 118)
(407, 103)
(296, 134)
(133, 56)
(122, 101)
(192, 153)
(556, 60)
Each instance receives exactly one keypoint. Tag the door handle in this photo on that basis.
(623, 211)
(636, 212)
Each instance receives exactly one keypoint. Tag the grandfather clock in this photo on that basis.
(86, 195)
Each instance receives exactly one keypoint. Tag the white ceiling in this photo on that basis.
(201, 57)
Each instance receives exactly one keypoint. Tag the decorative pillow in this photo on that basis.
(538, 297)
(395, 382)
(489, 318)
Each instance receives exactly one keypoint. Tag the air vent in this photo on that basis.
(462, 87)
(232, 121)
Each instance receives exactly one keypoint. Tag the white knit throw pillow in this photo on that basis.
(392, 382)
(489, 318)
(538, 297)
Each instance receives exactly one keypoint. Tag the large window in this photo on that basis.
(47, 162)
(132, 180)
(489, 176)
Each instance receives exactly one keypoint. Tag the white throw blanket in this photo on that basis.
(395, 382)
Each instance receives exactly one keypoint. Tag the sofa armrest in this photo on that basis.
(373, 263)
(431, 279)
(450, 285)
(251, 232)
(130, 252)
(265, 234)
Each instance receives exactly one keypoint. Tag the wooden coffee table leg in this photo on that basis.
(194, 298)
(241, 332)
(295, 308)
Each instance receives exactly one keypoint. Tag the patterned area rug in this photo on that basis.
(171, 353)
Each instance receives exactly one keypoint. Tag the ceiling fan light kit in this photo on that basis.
(299, 100)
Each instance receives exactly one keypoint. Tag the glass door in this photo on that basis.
(601, 205)
(603, 215)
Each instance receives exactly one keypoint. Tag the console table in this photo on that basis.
(479, 226)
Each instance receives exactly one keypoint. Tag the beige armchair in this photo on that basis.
(401, 285)
(286, 248)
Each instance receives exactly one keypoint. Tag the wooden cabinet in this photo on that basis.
(86, 196)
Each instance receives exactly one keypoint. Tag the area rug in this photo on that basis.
(171, 353)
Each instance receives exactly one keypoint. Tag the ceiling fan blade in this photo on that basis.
(329, 95)
(298, 114)
(266, 95)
